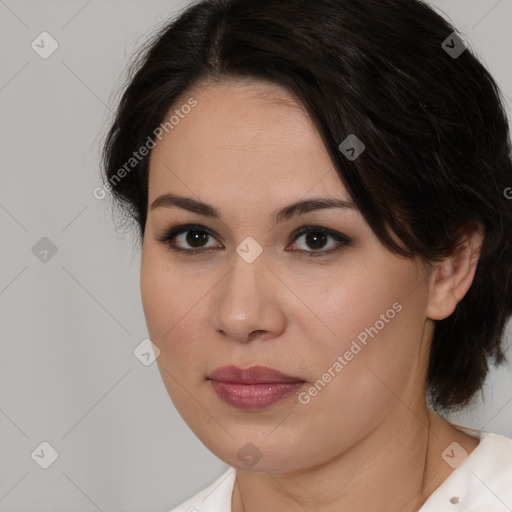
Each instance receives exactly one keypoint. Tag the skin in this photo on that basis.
(248, 149)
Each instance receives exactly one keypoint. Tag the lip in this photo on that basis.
(253, 388)
(252, 375)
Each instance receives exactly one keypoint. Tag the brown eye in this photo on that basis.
(196, 238)
(191, 240)
(188, 239)
(316, 238)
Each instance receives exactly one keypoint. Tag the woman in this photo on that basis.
(326, 243)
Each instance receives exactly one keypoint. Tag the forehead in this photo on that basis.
(248, 138)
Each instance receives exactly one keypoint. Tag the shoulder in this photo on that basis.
(480, 482)
(216, 497)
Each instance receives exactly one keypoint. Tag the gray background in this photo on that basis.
(69, 325)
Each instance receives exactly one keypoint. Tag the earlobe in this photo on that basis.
(452, 278)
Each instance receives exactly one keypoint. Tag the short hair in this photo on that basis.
(437, 158)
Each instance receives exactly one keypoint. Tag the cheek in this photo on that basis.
(166, 293)
(174, 301)
(365, 303)
(356, 384)
(158, 299)
(171, 307)
(367, 350)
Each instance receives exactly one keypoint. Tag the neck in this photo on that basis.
(393, 468)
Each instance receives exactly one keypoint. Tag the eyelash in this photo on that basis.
(174, 231)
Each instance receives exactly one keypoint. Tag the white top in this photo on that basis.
(481, 483)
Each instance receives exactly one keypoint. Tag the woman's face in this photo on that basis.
(346, 321)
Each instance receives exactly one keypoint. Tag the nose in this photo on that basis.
(248, 303)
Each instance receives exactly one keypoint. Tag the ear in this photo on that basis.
(451, 278)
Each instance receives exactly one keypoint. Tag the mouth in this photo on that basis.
(253, 388)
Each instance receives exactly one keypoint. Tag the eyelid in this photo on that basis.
(312, 228)
(178, 229)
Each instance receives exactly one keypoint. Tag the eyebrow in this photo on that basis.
(299, 208)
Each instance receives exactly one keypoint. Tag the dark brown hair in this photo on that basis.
(437, 158)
